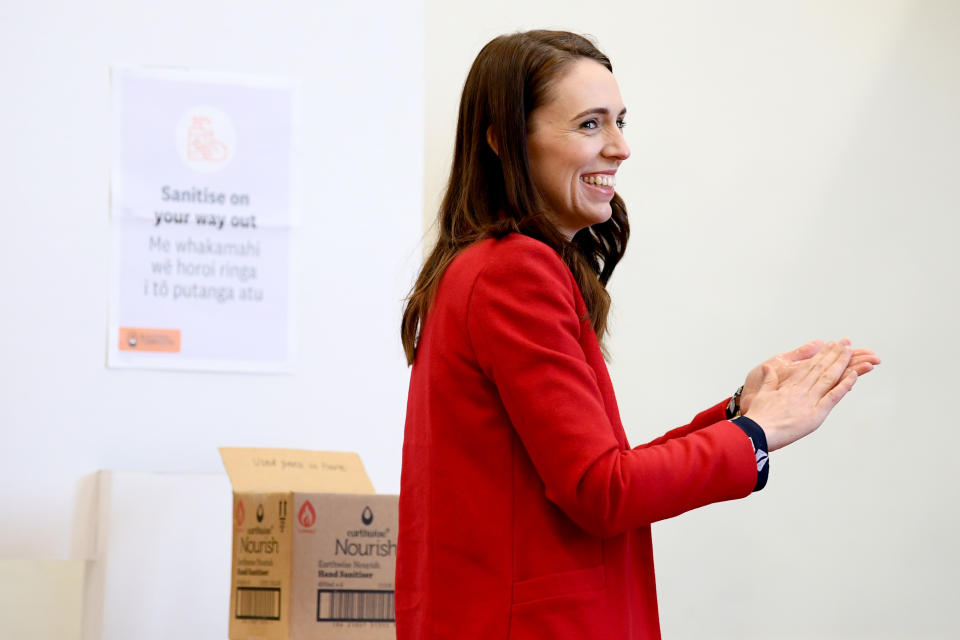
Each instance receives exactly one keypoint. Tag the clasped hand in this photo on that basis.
(791, 394)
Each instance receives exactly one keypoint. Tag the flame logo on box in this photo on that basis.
(307, 516)
(240, 514)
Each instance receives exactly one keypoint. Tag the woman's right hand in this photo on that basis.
(793, 401)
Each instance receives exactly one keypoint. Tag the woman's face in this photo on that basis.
(575, 142)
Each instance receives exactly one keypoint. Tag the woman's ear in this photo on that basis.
(492, 140)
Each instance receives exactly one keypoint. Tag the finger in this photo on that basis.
(866, 355)
(809, 371)
(834, 371)
(860, 360)
(802, 352)
(861, 368)
(863, 364)
(835, 395)
(827, 367)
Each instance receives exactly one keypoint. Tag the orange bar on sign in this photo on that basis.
(156, 340)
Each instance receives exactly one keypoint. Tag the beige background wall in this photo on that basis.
(794, 175)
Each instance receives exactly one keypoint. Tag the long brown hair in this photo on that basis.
(491, 194)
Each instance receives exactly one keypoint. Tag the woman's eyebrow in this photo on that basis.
(603, 111)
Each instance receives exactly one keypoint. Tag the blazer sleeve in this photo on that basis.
(524, 328)
(714, 414)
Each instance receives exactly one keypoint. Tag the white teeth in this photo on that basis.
(600, 180)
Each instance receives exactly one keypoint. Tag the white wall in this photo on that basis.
(62, 413)
(794, 175)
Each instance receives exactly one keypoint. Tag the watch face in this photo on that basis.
(732, 407)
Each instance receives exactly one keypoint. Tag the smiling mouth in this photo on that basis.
(600, 180)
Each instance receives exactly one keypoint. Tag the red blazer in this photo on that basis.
(524, 512)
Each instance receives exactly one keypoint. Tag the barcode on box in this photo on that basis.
(258, 603)
(354, 606)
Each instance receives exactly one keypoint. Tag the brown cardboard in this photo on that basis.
(314, 549)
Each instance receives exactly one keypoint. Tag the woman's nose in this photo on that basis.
(617, 146)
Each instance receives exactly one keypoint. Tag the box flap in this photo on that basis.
(270, 470)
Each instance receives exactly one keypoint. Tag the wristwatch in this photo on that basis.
(733, 407)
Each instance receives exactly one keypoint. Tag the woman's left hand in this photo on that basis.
(862, 361)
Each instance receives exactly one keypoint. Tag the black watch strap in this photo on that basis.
(733, 407)
(759, 441)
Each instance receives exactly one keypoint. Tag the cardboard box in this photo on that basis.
(314, 549)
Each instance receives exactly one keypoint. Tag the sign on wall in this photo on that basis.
(202, 207)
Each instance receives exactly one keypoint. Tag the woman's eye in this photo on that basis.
(590, 124)
(621, 123)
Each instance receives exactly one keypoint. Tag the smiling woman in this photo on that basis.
(574, 153)
(524, 511)
(497, 186)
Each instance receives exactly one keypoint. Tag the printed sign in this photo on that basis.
(202, 207)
